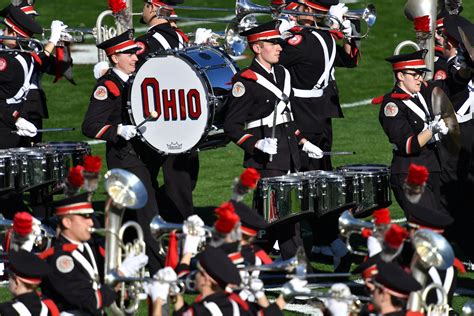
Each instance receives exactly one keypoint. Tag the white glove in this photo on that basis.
(336, 13)
(202, 36)
(374, 246)
(167, 275)
(157, 290)
(193, 228)
(438, 126)
(256, 287)
(285, 25)
(294, 288)
(312, 150)
(267, 145)
(57, 27)
(132, 264)
(100, 69)
(336, 306)
(126, 131)
(346, 28)
(25, 128)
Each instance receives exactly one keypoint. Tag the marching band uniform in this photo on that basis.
(180, 172)
(310, 56)
(27, 268)
(16, 69)
(105, 116)
(403, 117)
(76, 280)
(250, 117)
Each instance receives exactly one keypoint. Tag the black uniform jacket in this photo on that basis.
(149, 44)
(303, 56)
(70, 285)
(251, 101)
(222, 301)
(402, 125)
(30, 300)
(441, 65)
(107, 109)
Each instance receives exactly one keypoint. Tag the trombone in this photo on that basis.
(26, 45)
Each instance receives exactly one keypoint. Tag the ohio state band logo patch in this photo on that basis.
(100, 93)
(238, 89)
(295, 40)
(390, 109)
(3, 64)
(64, 264)
(440, 75)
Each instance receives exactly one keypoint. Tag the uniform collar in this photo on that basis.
(123, 76)
(270, 72)
(80, 245)
(397, 89)
(159, 26)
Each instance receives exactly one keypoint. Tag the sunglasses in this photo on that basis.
(416, 75)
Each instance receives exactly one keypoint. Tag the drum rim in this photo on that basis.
(204, 79)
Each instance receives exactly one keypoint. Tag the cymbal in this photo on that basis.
(442, 106)
(467, 44)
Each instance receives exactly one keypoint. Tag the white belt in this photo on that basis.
(268, 121)
(73, 313)
(313, 93)
(465, 118)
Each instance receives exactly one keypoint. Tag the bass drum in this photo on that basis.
(188, 89)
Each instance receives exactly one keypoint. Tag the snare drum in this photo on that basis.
(188, 89)
(7, 174)
(69, 154)
(283, 198)
(34, 167)
(373, 181)
(330, 190)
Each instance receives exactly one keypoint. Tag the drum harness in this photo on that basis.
(27, 73)
(283, 105)
(323, 81)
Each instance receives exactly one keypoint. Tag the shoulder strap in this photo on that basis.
(21, 309)
(235, 308)
(415, 108)
(328, 61)
(162, 40)
(27, 72)
(213, 308)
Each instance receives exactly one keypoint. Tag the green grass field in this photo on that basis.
(359, 131)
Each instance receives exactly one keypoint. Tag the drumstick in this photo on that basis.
(153, 115)
(45, 130)
(338, 153)
(274, 124)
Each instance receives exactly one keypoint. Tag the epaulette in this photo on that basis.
(36, 58)
(112, 87)
(378, 100)
(263, 256)
(249, 74)
(102, 251)
(336, 34)
(69, 247)
(186, 39)
(296, 29)
(46, 254)
(397, 96)
(459, 265)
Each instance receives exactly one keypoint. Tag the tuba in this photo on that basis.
(125, 190)
(349, 225)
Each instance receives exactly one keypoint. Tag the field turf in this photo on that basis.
(359, 131)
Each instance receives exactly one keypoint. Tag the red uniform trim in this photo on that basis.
(459, 265)
(410, 64)
(401, 96)
(239, 301)
(337, 34)
(102, 251)
(69, 247)
(263, 36)
(16, 28)
(36, 58)
(186, 39)
(53, 309)
(409, 140)
(249, 74)
(102, 131)
(248, 231)
(263, 256)
(378, 100)
(112, 87)
(46, 254)
(369, 272)
(120, 47)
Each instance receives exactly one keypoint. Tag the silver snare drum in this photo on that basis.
(373, 183)
(330, 190)
(7, 174)
(69, 154)
(283, 198)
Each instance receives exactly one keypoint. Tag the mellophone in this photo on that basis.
(26, 168)
(321, 192)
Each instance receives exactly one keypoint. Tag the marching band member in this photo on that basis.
(257, 93)
(407, 118)
(180, 172)
(392, 288)
(76, 281)
(368, 271)
(106, 119)
(25, 271)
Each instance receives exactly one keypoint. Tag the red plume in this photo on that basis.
(422, 24)
(366, 233)
(395, 236)
(172, 256)
(92, 163)
(226, 218)
(417, 175)
(75, 177)
(117, 5)
(23, 223)
(249, 178)
(382, 216)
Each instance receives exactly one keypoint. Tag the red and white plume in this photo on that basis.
(415, 182)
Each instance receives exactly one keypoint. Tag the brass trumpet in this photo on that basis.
(25, 44)
(160, 229)
(349, 225)
(72, 35)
